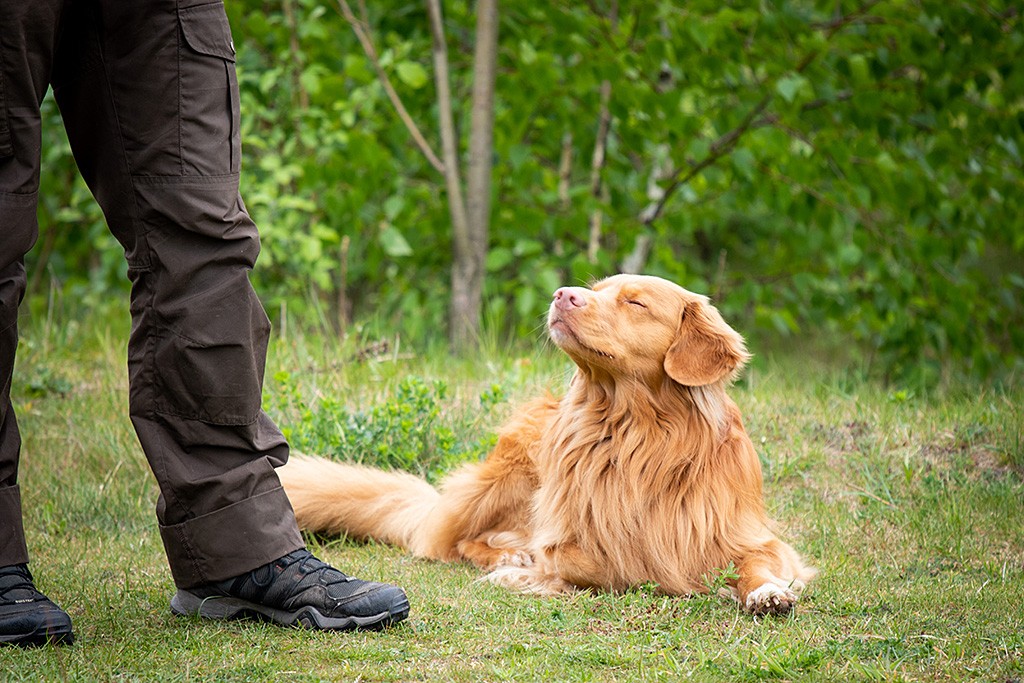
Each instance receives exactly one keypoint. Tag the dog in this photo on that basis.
(641, 473)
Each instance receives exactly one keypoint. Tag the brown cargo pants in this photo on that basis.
(149, 99)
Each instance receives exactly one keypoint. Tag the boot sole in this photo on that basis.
(185, 603)
(61, 635)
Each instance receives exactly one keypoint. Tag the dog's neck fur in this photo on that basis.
(615, 418)
(617, 397)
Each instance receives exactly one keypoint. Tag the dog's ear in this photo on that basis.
(706, 350)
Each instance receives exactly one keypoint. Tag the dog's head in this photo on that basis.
(637, 326)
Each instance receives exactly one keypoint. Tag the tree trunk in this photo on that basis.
(471, 248)
(450, 156)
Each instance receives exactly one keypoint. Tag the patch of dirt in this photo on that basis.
(952, 449)
(841, 438)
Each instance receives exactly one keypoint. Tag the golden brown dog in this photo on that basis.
(641, 473)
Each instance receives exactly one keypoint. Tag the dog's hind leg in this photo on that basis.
(565, 568)
(480, 503)
(484, 502)
(490, 551)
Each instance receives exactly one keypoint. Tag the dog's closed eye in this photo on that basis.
(634, 302)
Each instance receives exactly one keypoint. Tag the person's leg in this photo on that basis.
(26, 46)
(150, 102)
(146, 93)
(26, 42)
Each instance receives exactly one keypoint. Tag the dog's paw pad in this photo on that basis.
(515, 559)
(529, 581)
(770, 599)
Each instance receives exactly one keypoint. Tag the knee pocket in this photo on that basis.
(209, 362)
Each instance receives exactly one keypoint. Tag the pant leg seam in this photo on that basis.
(215, 179)
(186, 545)
(115, 109)
(6, 139)
(177, 36)
(150, 356)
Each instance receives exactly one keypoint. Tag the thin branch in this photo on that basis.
(449, 140)
(600, 146)
(295, 53)
(832, 27)
(565, 170)
(855, 17)
(840, 96)
(727, 142)
(596, 166)
(360, 26)
(718, 149)
(777, 175)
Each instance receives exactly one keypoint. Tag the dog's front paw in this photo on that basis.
(518, 558)
(770, 598)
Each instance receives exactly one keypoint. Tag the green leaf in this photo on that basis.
(699, 34)
(788, 86)
(548, 280)
(744, 162)
(526, 301)
(393, 206)
(310, 79)
(412, 74)
(698, 149)
(885, 162)
(859, 69)
(527, 247)
(498, 258)
(527, 53)
(849, 254)
(394, 243)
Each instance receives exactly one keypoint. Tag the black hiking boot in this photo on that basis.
(297, 590)
(27, 617)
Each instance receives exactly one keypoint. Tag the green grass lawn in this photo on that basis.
(911, 506)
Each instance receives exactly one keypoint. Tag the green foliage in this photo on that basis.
(845, 169)
(414, 429)
(45, 381)
(719, 579)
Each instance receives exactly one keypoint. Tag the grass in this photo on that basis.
(911, 505)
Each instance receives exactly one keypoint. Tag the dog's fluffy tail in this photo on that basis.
(363, 502)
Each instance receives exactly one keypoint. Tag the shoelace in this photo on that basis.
(309, 564)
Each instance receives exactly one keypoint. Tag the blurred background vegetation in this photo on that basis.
(843, 171)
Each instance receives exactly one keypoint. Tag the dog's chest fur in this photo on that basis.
(615, 476)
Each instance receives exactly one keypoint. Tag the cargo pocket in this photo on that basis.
(209, 107)
(214, 372)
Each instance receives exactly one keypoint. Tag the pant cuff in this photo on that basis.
(231, 541)
(12, 533)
